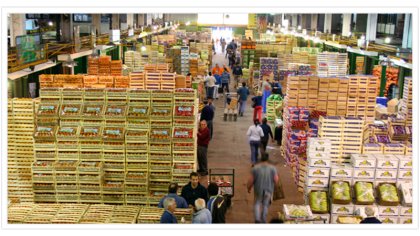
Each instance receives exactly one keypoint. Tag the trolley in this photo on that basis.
(225, 179)
(230, 107)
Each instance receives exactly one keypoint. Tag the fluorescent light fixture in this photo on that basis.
(387, 40)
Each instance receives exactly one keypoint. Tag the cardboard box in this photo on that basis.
(405, 220)
(317, 182)
(385, 219)
(341, 171)
(363, 173)
(319, 162)
(387, 161)
(363, 160)
(405, 161)
(347, 209)
(406, 211)
(318, 172)
(389, 210)
(359, 210)
(386, 174)
(405, 174)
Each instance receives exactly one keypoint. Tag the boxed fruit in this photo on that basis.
(48, 110)
(363, 160)
(406, 211)
(342, 209)
(292, 211)
(385, 219)
(115, 112)
(364, 193)
(386, 161)
(405, 220)
(317, 182)
(388, 194)
(318, 201)
(340, 192)
(319, 161)
(135, 111)
(385, 174)
(318, 172)
(363, 173)
(183, 134)
(93, 110)
(113, 133)
(388, 210)
(341, 171)
(321, 218)
(91, 132)
(405, 161)
(45, 133)
(67, 132)
(347, 219)
(405, 174)
(70, 110)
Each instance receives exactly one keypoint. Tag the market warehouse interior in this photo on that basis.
(210, 118)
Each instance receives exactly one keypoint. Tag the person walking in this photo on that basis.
(210, 84)
(207, 114)
(180, 201)
(267, 134)
(194, 190)
(243, 93)
(168, 216)
(223, 44)
(254, 134)
(237, 73)
(257, 105)
(278, 133)
(263, 178)
(217, 70)
(370, 217)
(266, 87)
(203, 139)
(202, 214)
(225, 80)
(217, 204)
(213, 47)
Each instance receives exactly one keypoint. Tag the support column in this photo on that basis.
(115, 21)
(314, 21)
(17, 27)
(372, 22)
(130, 21)
(327, 23)
(66, 28)
(294, 20)
(96, 21)
(346, 24)
(408, 32)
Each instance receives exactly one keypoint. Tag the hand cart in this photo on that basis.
(225, 179)
(231, 107)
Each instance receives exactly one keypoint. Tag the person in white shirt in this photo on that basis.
(254, 134)
(210, 83)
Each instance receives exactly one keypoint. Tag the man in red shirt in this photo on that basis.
(203, 139)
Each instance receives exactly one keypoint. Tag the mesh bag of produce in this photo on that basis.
(388, 195)
(318, 202)
(364, 193)
(340, 192)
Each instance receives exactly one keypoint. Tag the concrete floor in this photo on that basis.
(229, 148)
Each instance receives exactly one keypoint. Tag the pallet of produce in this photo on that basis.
(364, 193)
(388, 194)
(394, 148)
(318, 201)
(97, 214)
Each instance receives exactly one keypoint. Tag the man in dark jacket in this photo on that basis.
(207, 114)
(194, 190)
(217, 204)
(267, 133)
(237, 73)
(180, 201)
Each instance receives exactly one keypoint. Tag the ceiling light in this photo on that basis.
(50, 23)
(299, 27)
(387, 40)
(362, 37)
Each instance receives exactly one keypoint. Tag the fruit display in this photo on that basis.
(45, 132)
(115, 111)
(349, 219)
(113, 133)
(364, 193)
(340, 192)
(391, 76)
(90, 166)
(388, 194)
(45, 109)
(318, 202)
(67, 132)
(182, 133)
(138, 111)
(93, 110)
(90, 132)
(184, 111)
(160, 133)
(70, 110)
(292, 211)
(161, 111)
(66, 165)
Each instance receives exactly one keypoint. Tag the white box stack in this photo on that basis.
(386, 168)
(318, 164)
(363, 167)
(185, 63)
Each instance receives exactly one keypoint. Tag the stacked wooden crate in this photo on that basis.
(342, 96)
(323, 94)
(184, 135)
(360, 65)
(93, 65)
(152, 80)
(185, 60)
(137, 80)
(407, 105)
(21, 125)
(313, 87)
(167, 81)
(332, 64)
(362, 92)
(104, 65)
(116, 67)
(330, 127)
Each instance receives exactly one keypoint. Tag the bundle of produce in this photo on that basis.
(388, 195)
(364, 193)
(318, 202)
(292, 211)
(340, 192)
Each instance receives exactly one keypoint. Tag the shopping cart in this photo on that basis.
(225, 179)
